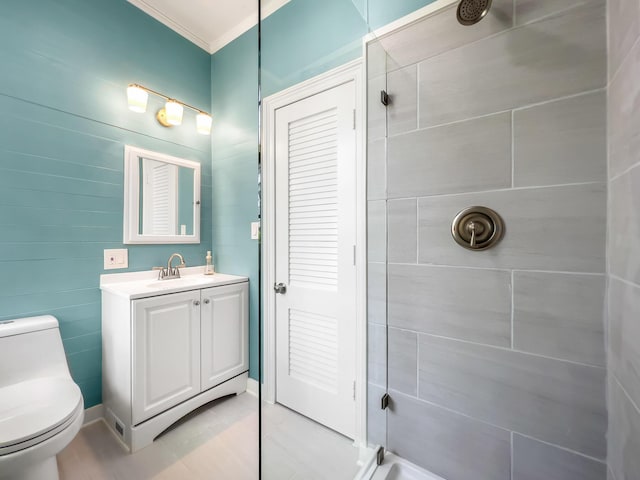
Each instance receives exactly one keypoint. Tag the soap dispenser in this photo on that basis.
(208, 269)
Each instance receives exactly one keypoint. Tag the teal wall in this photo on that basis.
(381, 12)
(64, 124)
(234, 84)
(301, 40)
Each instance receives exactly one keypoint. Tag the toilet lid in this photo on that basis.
(32, 408)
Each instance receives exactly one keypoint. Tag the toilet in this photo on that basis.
(41, 408)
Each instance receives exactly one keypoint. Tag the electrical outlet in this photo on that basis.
(116, 258)
(255, 230)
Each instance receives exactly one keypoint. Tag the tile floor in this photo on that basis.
(217, 442)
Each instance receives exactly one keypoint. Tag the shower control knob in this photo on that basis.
(477, 228)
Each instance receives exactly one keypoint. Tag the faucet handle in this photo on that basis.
(162, 272)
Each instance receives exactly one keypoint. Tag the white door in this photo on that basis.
(166, 352)
(224, 329)
(315, 244)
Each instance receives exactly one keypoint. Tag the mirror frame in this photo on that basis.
(131, 234)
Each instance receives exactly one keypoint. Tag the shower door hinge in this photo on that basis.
(384, 401)
(384, 98)
(380, 456)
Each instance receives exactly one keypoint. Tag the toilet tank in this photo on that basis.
(31, 348)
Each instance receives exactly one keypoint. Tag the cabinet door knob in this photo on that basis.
(207, 301)
(196, 303)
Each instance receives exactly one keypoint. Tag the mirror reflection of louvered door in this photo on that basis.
(159, 198)
(315, 245)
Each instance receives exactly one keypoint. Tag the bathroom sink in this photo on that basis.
(188, 281)
(134, 285)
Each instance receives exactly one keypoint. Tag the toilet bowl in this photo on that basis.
(41, 408)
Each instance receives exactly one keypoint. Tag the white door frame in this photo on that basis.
(350, 72)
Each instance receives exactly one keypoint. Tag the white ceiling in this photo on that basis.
(210, 24)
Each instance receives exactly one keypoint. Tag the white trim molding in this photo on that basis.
(252, 387)
(93, 414)
(409, 19)
(208, 44)
(350, 72)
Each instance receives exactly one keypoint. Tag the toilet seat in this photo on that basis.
(36, 410)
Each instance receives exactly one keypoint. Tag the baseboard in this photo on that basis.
(93, 414)
(252, 387)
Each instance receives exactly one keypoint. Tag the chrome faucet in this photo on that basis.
(170, 272)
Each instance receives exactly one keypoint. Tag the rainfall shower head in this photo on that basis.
(471, 12)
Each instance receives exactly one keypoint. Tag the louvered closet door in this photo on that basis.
(315, 241)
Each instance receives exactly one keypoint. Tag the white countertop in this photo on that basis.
(134, 285)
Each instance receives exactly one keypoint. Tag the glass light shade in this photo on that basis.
(174, 112)
(203, 123)
(137, 98)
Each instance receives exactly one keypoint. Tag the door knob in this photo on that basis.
(206, 301)
(196, 303)
(280, 288)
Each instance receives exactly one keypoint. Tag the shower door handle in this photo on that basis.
(280, 288)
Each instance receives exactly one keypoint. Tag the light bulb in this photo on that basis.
(137, 98)
(203, 123)
(174, 112)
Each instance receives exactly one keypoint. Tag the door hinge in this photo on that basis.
(354, 118)
(380, 456)
(384, 401)
(384, 98)
(354, 390)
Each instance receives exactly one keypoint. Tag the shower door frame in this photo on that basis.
(350, 72)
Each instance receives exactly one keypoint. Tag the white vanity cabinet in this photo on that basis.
(170, 347)
(223, 339)
(166, 352)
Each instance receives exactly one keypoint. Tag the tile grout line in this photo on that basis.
(485, 422)
(592, 91)
(417, 365)
(626, 394)
(622, 280)
(623, 62)
(624, 172)
(417, 233)
(499, 269)
(560, 447)
(513, 150)
(506, 349)
(511, 452)
(503, 190)
(513, 304)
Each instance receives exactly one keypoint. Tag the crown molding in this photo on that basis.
(216, 44)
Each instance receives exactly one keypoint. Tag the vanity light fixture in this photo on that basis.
(171, 114)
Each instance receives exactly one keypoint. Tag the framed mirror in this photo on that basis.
(161, 198)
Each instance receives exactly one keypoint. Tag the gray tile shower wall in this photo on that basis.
(623, 312)
(496, 359)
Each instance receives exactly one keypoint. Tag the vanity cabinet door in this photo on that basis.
(224, 328)
(166, 352)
